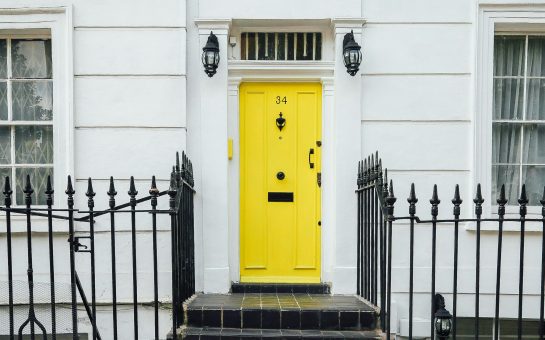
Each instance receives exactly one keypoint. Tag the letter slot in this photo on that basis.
(280, 196)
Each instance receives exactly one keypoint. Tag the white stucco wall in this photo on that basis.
(140, 94)
(129, 118)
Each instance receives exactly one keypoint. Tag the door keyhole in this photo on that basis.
(280, 175)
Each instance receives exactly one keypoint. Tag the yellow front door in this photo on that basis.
(280, 139)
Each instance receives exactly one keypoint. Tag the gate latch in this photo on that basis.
(78, 246)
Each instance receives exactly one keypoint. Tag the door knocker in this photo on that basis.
(280, 122)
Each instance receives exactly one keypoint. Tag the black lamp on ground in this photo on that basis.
(443, 318)
(211, 55)
(351, 54)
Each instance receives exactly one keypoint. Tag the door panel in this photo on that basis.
(280, 239)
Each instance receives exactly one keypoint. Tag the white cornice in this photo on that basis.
(350, 23)
(280, 70)
(213, 24)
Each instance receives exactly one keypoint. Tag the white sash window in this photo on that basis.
(518, 125)
(26, 114)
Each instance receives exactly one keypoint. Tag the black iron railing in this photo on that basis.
(377, 228)
(180, 210)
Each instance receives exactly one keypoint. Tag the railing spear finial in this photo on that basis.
(90, 193)
(390, 201)
(132, 191)
(7, 192)
(478, 200)
(435, 202)
(502, 201)
(523, 201)
(457, 200)
(412, 201)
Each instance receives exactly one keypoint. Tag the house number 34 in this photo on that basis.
(281, 100)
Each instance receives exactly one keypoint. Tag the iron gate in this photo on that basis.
(92, 233)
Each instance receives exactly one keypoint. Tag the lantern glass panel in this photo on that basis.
(443, 326)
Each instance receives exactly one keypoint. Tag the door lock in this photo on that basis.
(280, 175)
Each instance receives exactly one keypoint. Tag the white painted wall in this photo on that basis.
(129, 118)
(140, 94)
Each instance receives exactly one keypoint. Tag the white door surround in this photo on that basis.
(341, 149)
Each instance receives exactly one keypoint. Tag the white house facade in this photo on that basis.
(449, 92)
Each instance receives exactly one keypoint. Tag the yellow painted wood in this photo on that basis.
(280, 241)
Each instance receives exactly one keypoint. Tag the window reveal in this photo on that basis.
(26, 114)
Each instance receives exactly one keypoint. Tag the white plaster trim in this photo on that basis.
(345, 25)
(297, 72)
(251, 70)
(213, 24)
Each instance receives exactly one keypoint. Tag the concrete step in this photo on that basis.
(235, 333)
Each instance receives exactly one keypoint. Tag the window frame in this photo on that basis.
(496, 19)
(56, 24)
(10, 122)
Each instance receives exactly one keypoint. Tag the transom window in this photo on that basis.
(281, 46)
(26, 114)
(518, 127)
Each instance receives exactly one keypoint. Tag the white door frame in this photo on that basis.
(248, 71)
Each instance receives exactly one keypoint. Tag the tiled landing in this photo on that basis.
(279, 315)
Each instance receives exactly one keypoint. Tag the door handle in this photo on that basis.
(310, 152)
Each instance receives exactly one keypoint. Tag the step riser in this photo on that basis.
(321, 288)
(215, 333)
(282, 319)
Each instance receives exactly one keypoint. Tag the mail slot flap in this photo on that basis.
(280, 196)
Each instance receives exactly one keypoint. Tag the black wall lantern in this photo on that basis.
(211, 55)
(351, 54)
(443, 319)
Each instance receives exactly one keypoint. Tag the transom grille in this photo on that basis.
(281, 46)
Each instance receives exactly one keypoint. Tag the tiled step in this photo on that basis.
(230, 333)
(318, 288)
(281, 311)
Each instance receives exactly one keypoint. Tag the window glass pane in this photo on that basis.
(32, 100)
(243, 46)
(291, 42)
(5, 145)
(31, 58)
(4, 172)
(3, 101)
(535, 105)
(34, 144)
(3, 58)
(509, 55)
(281, 48)
(261, 46)
(270, 46)
(300, 46)
(318, 46)
(508, 175)
(534, 177)
(536, 56)
(38, 179)
(509, 329)
(465, 328)
(251, 46)
(508, 99)
(534, 144)
(505, 143)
